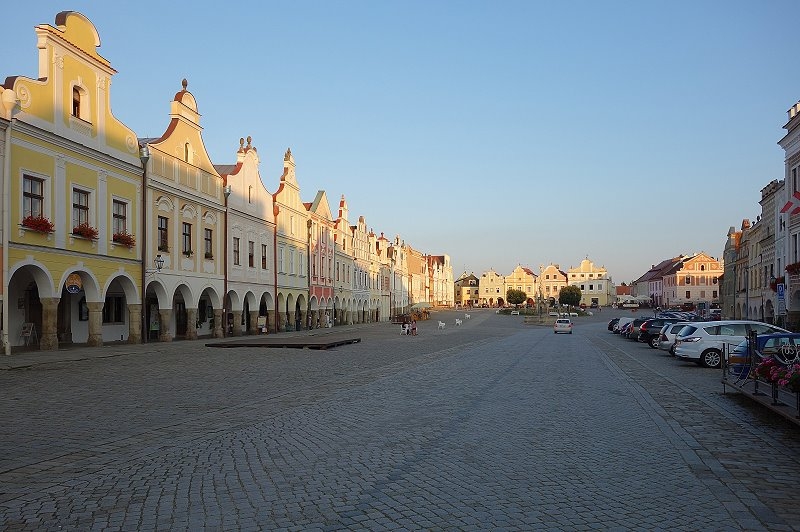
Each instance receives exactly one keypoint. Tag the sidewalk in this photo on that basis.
(76, 352)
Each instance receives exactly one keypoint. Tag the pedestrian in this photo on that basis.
(413, 327)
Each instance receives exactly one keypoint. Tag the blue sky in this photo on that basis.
(500, 133)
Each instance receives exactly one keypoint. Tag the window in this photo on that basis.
(208, 237)
(250, 194)
(120, 214)
(32, 196)
(263, 256)
(187, 151)
(688, 295)
(163, 239)
(251, 253)
(76, 102)
(235, 251)
(113, 310)
(80, 207)
(187, 237)
(714, 294)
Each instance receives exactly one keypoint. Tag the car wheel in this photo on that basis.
(570, 332)
(654, 342)
(555, 332)
(672, 350)
(711, 358)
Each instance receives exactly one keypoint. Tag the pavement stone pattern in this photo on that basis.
(490, 425)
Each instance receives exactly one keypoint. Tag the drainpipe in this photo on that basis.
(275, 211)
(226, 190)
(6, 228)
(144, 156)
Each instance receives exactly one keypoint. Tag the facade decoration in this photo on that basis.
(249, 305)
(74, 178)
(111, 237)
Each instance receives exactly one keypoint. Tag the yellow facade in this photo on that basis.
(595, 285)
(70, 162)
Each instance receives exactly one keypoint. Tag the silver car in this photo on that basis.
(668, 334)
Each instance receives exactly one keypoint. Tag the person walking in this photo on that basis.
(413, 327)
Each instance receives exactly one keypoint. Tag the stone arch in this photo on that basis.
(128, 285)
(31, 290)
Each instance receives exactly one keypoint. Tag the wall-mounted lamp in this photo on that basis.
(227, 191)
(159, 263)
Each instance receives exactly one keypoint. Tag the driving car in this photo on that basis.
(562, 325)
(703, 342)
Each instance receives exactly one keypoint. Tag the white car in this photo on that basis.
(553, 313)
(703, 342)
(562, 325)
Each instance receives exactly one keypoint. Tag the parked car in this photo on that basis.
(623, 331)
(611, 323)
(783, 347)
(621, 323)
(703, 342)
(650, 330)
(562, 325)
(668, 334)
(633, 332)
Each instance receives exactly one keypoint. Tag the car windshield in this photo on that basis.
(741, 347)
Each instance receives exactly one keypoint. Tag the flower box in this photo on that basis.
(38, 223)
(188, 252)
(164, 248)
(209, 255)
(793, 268)
(124, 239)
(86, 231)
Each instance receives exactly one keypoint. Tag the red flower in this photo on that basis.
(86, 231)
(38, 223)
(125, 239)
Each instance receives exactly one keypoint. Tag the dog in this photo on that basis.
(458, 321)
(441, 325)
(467, 316)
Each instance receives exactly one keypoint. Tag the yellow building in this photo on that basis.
(467, 290)
(551, 281)
(595, 285)
(71, 244)
(522, 279)
(492, 288)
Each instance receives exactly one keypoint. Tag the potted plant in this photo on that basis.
(124, 238)
(38, 223)
(85, 230)
(209, 255)
(773, 285)
(771, 371)
(163, 247)
(793, 268)
(188, 252)
(792, 378)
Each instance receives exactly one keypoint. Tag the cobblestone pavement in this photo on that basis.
(490, 425)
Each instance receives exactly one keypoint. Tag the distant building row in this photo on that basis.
(490, 288)
(762, 258)
(111, 237)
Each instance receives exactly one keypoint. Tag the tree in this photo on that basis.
(569, 295)
(515, 297)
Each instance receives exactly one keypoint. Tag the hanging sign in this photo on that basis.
(74, 283)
